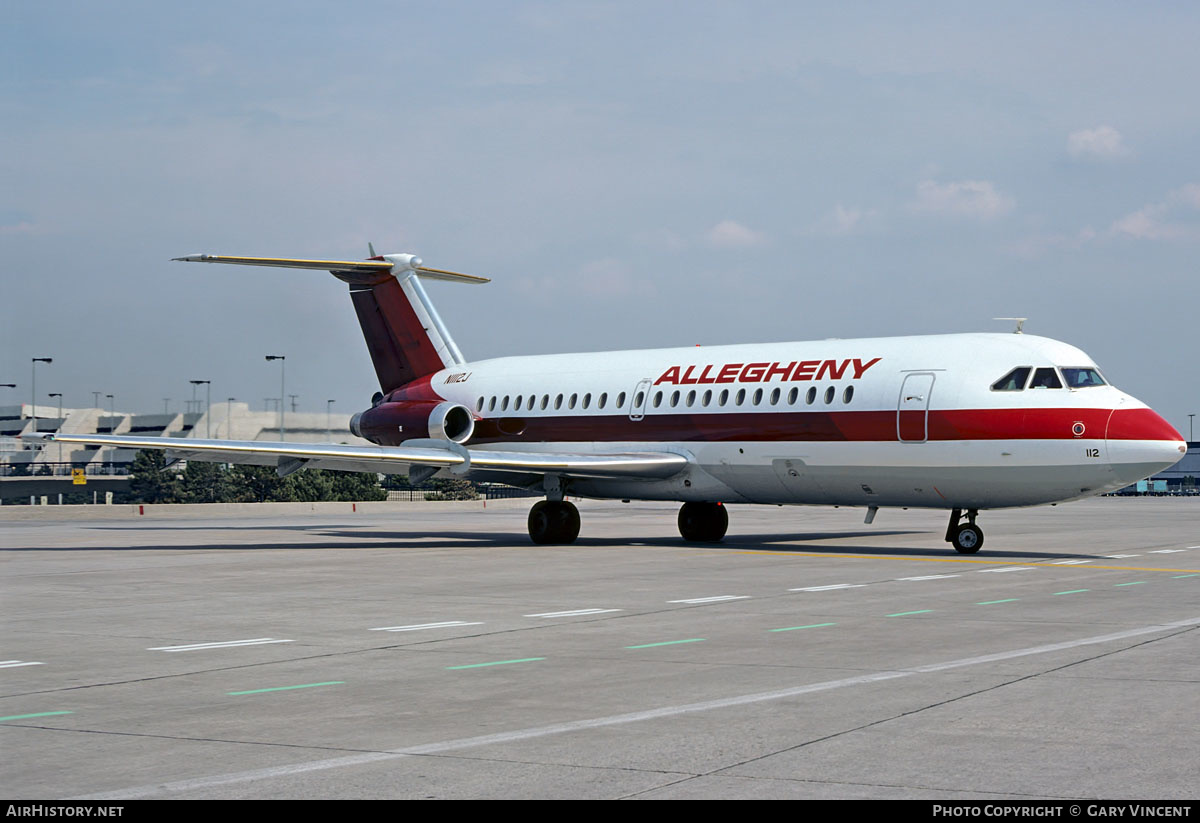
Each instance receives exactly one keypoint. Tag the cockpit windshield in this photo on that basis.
(1015, 380)
(1045, 379)
(1082, 378)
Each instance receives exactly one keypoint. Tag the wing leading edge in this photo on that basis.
(436, 454)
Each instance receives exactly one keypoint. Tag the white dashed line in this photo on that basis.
(1167, 551)
(830, 588)
(1120, 556)
(12, 664)
(420, 626)
(576, 613)
(716, 599)
(1069, 562)
(257, 641)
(929, 577)
(1008, 569)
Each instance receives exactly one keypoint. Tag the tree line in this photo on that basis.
(150, 481)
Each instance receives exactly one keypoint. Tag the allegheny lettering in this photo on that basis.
(767, 372)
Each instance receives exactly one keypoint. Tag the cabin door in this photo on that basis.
(912, 409)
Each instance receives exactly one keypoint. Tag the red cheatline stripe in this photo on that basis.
(823, 426)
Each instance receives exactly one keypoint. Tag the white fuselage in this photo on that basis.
(910, 421)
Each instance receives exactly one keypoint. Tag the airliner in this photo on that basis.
(961, 422)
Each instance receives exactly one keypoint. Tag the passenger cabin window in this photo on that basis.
(1045, 379)
(829, 395)
(1081, 378)
(1015, 380)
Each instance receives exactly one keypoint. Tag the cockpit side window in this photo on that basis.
(1045, 379)
(1015, 380)
(1082, 378)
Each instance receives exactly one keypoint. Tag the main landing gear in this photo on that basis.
(966, 537)
(553, 521)
(703, 522)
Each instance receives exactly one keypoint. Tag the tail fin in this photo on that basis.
(405, 335)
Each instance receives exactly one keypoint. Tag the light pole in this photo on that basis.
(58, 394)
(282, 395)
(229, 418)
(1191, 434)
(95, 400)
(112, 421)
(328, 414)
(207, 404)
(33, 387)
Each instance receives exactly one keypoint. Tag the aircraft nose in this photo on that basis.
(1140, 443)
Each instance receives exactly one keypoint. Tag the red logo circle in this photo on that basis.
(1078, 429)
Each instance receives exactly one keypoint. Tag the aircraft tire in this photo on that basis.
(703, 522)
(968, 539)
(553, 522)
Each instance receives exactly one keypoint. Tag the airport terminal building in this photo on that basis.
(35, 470)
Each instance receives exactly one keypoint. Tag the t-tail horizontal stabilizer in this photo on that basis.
(405, 335)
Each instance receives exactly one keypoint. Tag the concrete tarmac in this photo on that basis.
(431, 651)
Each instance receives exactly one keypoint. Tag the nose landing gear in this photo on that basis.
(967, 538)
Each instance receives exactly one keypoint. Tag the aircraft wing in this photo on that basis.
(436, 454)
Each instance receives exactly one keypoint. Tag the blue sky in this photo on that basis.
(629, 174)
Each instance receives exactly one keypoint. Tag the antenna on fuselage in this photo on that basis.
(1020, 321)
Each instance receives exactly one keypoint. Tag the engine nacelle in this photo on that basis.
(451, 421)
(390, 424)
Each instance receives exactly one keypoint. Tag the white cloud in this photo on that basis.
(1038, 244)
(1100, 143)
(1162, 221)
(977, 199)
(730, 234)
(842, 221)
(20, 227)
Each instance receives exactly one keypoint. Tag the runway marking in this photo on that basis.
(905, 614)
(667, 643)
(1069, 562)
(1120, 556)
(289, 688)
(929, 577)
(797, 628)
(719, 598)
(534, 732)
(13, 664)
(1072, 591)
(575, 613)
(978, 562)
(419, 626)
(1168, 551)
(1134, 583)
(1006, 569)
(27, 716)
(994, 602)
(230, 644)
(496, 663)
(1177, 576)
(830, 588)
